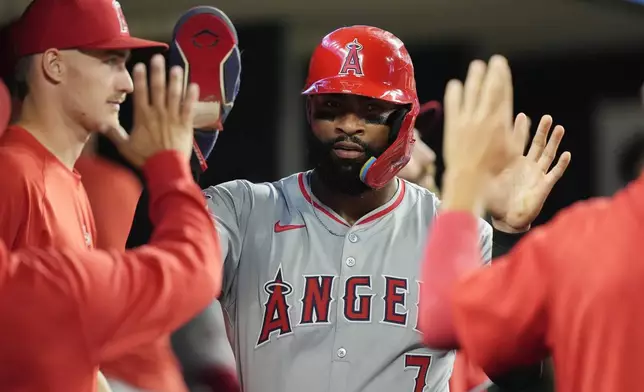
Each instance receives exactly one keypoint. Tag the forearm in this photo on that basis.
(162, 284)
(452, 250)
(183, 227)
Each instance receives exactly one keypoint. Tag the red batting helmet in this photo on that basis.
(371, 62)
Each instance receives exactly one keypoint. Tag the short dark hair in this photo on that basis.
(630, 160)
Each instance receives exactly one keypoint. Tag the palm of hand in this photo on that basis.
(163, 116)
(517, 194)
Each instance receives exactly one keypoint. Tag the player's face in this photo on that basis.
(96, 83)
(347, 130)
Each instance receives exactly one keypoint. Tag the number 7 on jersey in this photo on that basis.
(422, 364)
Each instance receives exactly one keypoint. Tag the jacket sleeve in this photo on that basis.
(456, 301)
(125, 299)
(453, 249)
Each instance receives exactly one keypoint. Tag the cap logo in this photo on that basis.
(352, 62)
(121, 17)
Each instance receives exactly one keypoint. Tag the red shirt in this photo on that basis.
(113, 192)
(42, 202)
(572, 288)
(66, 310)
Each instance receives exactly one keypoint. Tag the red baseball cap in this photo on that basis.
(5, 107)
(74, 24)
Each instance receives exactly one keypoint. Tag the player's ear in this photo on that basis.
(52, 65)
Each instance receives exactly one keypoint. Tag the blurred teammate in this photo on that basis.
(421, 169)
(113, 211)
(69, 83)
(571, 287)
(86, 306)
(321, 267)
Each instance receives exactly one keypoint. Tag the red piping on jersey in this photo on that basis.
(387, 210)
(379, 214)
(300, 181)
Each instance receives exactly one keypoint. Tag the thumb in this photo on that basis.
(120, 138)
(117, 135)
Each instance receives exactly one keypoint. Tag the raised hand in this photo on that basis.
(479, 140)
(516, 195)
(163, 115)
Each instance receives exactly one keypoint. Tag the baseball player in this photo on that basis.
(70, 83)
(575, 281)
(321, 278)
(466, 376)
(86, 306)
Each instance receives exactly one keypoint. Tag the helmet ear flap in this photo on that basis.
(395, 121)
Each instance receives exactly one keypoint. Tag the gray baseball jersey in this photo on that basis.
(318, 305)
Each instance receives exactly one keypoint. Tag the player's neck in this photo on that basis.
(64, 138)
(352, 207)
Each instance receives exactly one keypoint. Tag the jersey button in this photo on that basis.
(351, 261)
(342, 352)
(353, 238)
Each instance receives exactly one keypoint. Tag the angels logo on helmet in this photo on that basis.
(352, 61)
